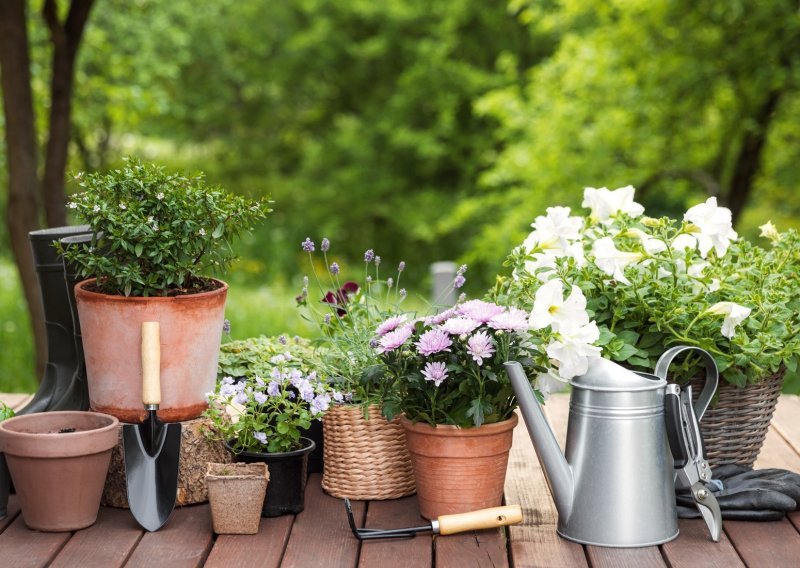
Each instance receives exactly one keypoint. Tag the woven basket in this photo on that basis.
(734, 427)
(365, 459)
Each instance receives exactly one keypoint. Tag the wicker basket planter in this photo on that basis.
(735, 425)
(365, 459)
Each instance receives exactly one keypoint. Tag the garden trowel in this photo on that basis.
(152, 449)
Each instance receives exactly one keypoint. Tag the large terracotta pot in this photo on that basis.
(58, 462)
(459, 469)
(191, 331)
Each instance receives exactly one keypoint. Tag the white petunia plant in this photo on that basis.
(636, 285)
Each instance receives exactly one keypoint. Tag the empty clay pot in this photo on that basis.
(236, 492)
(191, 331)
(459, 469)
(58, 462)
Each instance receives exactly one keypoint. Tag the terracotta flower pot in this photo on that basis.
(236, 492)
(459, 469)
(58, 462)
(191, 331)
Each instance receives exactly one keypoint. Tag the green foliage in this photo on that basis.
(16, 363)
(157, 233)
(5, 411)
(252, 356)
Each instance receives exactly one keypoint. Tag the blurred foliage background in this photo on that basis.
(429, 129)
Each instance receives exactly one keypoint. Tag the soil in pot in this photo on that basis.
(236, 492)
(59, 461)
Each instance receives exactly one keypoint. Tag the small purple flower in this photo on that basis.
(369, 255)
(480, 347)
(321, 403)
(435, 371)
(282, 340)
(274, 388)
(401, 267)
(260, 397)
(306, 390)
(389, 325)
(512, 320)
(395, 339)
(403, 292)
(240, 398)
(308, 245)
(462, 269)
(227, 380)
(459, 325)
(325, 245)
(261, 437)
(433, 341)
(260, 382)
(334, 269)
(369, 279)
(227, 390)
(459, 281)
(327, 319)
(337, 396)
(226, 327)
(373, 343)
(377, 261)
(479, 310)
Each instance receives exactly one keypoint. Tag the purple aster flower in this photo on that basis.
(369, 255)
(334, 269)
(226, 327)
(512, 320)
(325, 245)
(274, 388)
(403, 292)
(479, 310)
(435, 371)
(260, 397)
(480, 347)
(433, 341)
(459, 325)
(390, 325)
(261, 437)
(401, 267)
(395, 339)
(459, 281)
(377, 261)
(308, 245)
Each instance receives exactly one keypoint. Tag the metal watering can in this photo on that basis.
(616, 484)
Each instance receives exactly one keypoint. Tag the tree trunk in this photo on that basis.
(23, 184)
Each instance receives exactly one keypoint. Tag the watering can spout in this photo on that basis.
(556, 469)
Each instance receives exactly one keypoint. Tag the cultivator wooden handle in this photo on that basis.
(482, 519)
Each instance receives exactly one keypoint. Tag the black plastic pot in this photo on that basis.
(287, 478)
(314, 433)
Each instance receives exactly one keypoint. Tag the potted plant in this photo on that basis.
(653, 283)
(58, 462)
(156, 236)
(365, 455)
(236, 494)
(261, 418)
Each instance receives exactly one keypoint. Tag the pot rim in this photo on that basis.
(58, 444)
(89, 295)
(308, 448)
(262, 473)
(451, 430)
(114, 422)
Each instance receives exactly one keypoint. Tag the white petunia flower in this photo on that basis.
(550, 307)
(715, 224)
(574, 350)
(734, 315)
(611, 260)
(651, 245)
(770, 231)
(605, 203)
(684, 242)
(557, 229)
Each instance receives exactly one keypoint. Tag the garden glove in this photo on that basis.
(747, 494)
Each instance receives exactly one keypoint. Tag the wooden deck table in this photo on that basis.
(319, 536)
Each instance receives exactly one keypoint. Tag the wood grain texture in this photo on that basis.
(183, 542)
(647, 557)
(786, 422)
(24, 548)
(11, 512)
(694, 548)
(776, 452)
(481, 549)
(391, 514)
(107, 543)
(262, 550)
(765, 544)
(534, 547)
(321, 535)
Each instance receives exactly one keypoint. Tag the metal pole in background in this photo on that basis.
(442, 275)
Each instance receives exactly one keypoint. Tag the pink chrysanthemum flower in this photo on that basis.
(459, 325)
(480, 347)
(389, 325)
(512, 320)
(394, 339)
(440, 317)
(479, 310)
(435, 371)
(433, 341)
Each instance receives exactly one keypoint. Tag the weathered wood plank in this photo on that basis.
(540, 546)
(694, 548)
(183, 542)
(391, 514)
(262, 550)
(478, 548)
(794, 518)
(24, 548)
(776, 452)
(785, 420)
(107, 543)
(321, 535)
(765, 544)
(647, 557)
(11, 512)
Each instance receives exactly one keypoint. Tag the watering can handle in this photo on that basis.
(712, 374)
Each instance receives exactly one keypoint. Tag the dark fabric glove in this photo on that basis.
(747, 494)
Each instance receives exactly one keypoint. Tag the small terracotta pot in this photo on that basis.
(59, 473)
(459, 469)
(236, 492)
(191, 331)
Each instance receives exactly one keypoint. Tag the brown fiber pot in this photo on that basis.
(459, 469)
(236, 493)
(191, 331)
(59, 475)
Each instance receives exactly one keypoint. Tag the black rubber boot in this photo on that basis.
(76, 395)
(62, 359)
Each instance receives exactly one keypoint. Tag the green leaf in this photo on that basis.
(625, 352)
(218, 231)
(138, 249)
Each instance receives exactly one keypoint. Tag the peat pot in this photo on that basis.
(236, 493)
(191, 331)
(58, 462)
(458, 470)
(287, 478)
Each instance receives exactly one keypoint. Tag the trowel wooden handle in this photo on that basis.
(483, 519)
(151, 363)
